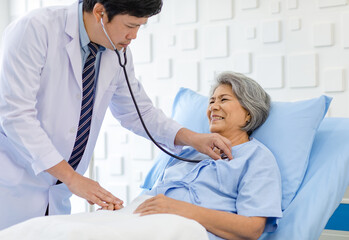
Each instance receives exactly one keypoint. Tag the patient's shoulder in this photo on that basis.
(260, 163)
(260, 146)
(260, 153)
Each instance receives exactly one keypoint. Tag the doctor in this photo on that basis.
(58, 76)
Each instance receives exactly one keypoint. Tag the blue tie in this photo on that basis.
(88, 92)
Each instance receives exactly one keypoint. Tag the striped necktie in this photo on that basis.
(88, 92)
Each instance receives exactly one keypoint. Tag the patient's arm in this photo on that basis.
(223, 224)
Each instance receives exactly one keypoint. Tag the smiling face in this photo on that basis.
(225, 114)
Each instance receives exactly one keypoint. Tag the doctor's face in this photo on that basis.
(225, 114)
(122, 29)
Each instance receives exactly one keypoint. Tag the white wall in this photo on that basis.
(296, 49)
(4, 16)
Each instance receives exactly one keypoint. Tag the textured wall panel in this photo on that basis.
(295, 24)
(323, 34)
(220, 9)
(116, 134)
(187, 73)
(164, 68)
(138, 176)
(275, 6)
(115, 141)
(302, 70)
(165, 104)
(215, 41)
(143, 148)
(334, 80)
(142, 48)
(250, 32)
(331, 3)
(33, 4)
(270, 71)
(171, 40)
(17, 7)
(242, 62)
(210, 68)
(292, 4)
(153, 19)
(101, 146)
(185, 11)
(345, 27)
(248, 4)
(188, 39)
(271, 31)
(116, 166)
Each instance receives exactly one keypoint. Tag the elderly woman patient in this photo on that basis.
(232, 199)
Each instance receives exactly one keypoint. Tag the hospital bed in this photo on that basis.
(323, 186)
(313, 157)
(312, 153)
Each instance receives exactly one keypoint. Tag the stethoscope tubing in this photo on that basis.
(123, 66)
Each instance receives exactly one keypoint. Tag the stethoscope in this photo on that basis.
(123, 65)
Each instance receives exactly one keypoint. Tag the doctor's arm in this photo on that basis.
(223, 224)
(83, 186)
(204, 143)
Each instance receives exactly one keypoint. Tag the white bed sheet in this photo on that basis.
(122, 224)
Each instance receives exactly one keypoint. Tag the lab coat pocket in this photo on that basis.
(11, 171)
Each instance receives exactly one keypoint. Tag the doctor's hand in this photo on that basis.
(93, 192)
(111, 207)
(211, 144)
(82, 186)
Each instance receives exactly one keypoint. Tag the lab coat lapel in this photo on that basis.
(107, 70)
(73, 47)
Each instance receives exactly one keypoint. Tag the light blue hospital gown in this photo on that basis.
(248, 185)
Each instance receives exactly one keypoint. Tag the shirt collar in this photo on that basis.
(84, 39)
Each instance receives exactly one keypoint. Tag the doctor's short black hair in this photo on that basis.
(136, 8)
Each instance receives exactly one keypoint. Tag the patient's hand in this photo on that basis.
(162, 204)
(112, 207)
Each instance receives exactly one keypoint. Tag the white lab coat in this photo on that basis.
(40, 101)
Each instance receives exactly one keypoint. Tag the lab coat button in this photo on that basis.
(77, 96)
(72, 130)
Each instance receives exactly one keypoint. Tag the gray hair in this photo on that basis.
(250, 95)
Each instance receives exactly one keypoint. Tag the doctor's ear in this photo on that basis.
(98, 11)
